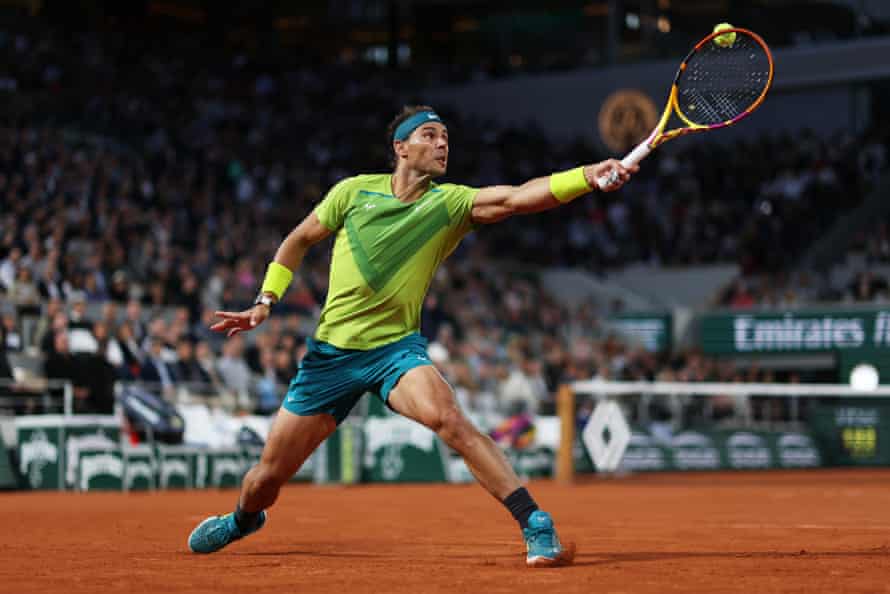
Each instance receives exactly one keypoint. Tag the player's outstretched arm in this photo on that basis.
(496, 203)
(278, 276)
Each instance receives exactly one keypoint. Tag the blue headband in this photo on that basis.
(418, 119)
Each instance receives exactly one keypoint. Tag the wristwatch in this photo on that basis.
(265, 299)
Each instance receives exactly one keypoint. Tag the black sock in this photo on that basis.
(521, 505)
(245, 520)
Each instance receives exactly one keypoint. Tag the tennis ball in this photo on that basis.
(724, 40)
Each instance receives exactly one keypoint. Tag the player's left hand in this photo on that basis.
(613, 170)
(234, 322)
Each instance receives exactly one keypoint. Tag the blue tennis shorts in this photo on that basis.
(331, 380)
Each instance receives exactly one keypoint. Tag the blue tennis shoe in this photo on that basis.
(542, 543)
(217, 531)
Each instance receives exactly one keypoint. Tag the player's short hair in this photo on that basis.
(407, 112)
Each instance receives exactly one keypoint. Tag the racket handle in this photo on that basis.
(632, 158)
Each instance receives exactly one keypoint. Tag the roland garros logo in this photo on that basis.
(35, 454)
(626, 118)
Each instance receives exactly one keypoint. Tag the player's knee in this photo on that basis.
(454, 428)
(268, 477)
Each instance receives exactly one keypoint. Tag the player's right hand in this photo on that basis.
(614, 172)
(233, 322)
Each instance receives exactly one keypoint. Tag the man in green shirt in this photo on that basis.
(392, 232)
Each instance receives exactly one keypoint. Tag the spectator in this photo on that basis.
(867, 287)
(50, 284)
(155, 369)
(119, 292)
(133, 317)
(23, 290)
(5, 367)
(107, 345)
(80, 327)
(252, 354)
(284, 365)
(8, 268)
(233, 371)
(189, 296)
(131, 352)
(187, 369)
(468, 392)
(158, 337)
(12, 338)
(206, 360)
(269, 391)
(58, 323)
(523, 389)
(90, 375)
(109, 314)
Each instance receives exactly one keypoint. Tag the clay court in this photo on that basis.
(806, 531)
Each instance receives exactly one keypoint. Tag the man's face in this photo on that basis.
(134, 310)
(184, 351)
(157, 328)
(426, 150)
(60, 343)
(79, 309)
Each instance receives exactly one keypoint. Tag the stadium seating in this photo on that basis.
(166, 184)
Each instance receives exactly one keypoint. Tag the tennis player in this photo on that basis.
(393, 230)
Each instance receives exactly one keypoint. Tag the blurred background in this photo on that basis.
(153, 154)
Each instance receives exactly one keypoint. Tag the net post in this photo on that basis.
(565, 409)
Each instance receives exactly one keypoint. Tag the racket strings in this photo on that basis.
(721, 83)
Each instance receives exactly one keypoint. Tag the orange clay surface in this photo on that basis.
(806, 531)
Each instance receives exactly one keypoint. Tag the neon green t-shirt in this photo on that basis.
(385, 255)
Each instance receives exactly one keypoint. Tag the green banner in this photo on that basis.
(88, 432)
(688, 450)
(795, 332)
(398, 449)
(100, 469)
(177, 466)
(653, 331)
(140, 467)
(877, 357)
(580, 456)
(853, 432)
(49, 446)
(721, 450)
(40, 451)
(532, 462)
(340, 456)
(218, 468)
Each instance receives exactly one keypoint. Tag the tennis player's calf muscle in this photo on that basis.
(291, 440)
(423, 395)
(482, 456)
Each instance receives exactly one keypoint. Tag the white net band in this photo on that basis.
(617, 388)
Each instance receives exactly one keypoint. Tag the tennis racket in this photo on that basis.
(715, 87)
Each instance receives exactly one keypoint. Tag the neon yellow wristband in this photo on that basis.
(277, 279)
(568, 185)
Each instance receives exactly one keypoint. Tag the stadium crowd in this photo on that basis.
(145, 183)
(218, 131)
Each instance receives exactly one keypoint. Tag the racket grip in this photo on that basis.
(632, 158)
